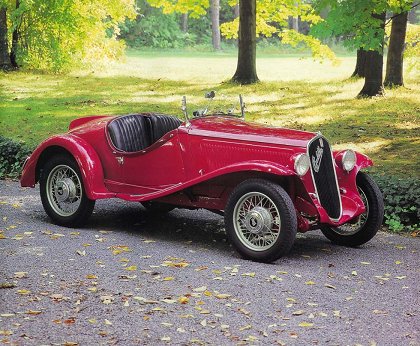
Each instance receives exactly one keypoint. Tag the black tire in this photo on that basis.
(245, 220)
(355, 234)
(61, 177)
(157, 207)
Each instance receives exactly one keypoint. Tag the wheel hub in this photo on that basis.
(258, 219)
(65, 189)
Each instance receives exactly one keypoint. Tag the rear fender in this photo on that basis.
(85, 156)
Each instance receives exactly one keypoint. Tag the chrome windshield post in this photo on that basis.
(184, 110)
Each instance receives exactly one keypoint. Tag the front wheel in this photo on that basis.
(367, 225)
(260, 220)
(62, 192)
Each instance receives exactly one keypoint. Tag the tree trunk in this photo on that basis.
(184, 22)
(360, 69)
(246, 71)
(236, 11)
(394, 62)
(374, 65)
(15, 41)
(215, 25)
(5, 63)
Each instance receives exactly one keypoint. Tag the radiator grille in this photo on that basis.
(323, 173)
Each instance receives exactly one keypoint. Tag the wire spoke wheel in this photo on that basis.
(362, 229)
(64, 190)
(257, 221)
(260, 220)
(63, 193)
(353, 228)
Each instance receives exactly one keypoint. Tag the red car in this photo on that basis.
(268, 182)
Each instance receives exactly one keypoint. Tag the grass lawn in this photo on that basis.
(297, 93)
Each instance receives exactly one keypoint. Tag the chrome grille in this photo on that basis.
(323, 173)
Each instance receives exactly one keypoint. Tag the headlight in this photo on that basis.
(348, 160)
(302, 164)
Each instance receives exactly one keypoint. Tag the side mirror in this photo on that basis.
(210, 95)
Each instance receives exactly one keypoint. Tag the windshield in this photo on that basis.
(213, 105)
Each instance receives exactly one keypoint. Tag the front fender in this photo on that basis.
(86, 157)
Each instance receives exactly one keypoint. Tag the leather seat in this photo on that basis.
(129, 133)
(161, 124)
(135, 132)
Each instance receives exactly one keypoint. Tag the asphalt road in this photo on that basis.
(131, 278)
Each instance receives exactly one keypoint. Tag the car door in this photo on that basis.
(155, 168)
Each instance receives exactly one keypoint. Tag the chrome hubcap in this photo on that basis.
(64, 190)
(256, 221)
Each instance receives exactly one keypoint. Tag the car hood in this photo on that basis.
(238, 129)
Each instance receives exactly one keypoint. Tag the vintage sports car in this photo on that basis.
(268, 182)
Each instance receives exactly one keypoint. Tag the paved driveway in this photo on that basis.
(130, 278)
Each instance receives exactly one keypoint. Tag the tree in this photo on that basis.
(361, 64)
(246, 71)
(374, 64)
(59, 35)
(5, 63)
(215, 25)
(394, 63)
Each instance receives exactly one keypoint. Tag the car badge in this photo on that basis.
(317, 158)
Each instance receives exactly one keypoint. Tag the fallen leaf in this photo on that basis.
(107, 322)
(306, 324)
(168, 278)
(380, 312)
(183, 300)
(298, 312)
(354, 273)
(200, 289)
(6, 332)
(23, 292)
(20, 275)
(249, 274)
(309, 283)
(365, 263)
(91, 276)
(203, 323)
(222, 296)
(34, 312)
(81, 253)
(131, 268)
(165, 338)
(7, 285)
(248, 326)
(181, 264)
(330, 286)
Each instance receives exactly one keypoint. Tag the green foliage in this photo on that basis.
(154, 30)
(59, 35)
(354, 21)
(402, 202)
(272, 20)
(412, 47)
(12, 157)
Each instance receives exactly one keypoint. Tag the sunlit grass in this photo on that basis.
(295, 93)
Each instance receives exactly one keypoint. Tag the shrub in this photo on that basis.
(12, 156)
(402, 202)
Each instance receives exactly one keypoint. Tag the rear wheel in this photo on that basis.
(62, 192)
(367, 224)
(260, 220)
